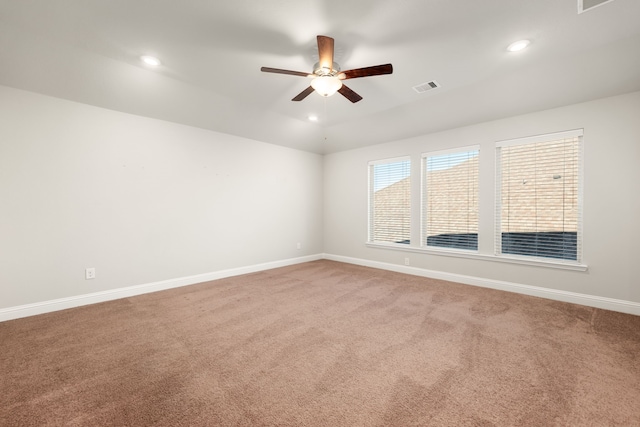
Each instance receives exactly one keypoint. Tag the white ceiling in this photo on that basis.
(88, 51)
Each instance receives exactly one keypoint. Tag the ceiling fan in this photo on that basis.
(327, 77)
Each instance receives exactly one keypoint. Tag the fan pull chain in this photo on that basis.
(326, 118)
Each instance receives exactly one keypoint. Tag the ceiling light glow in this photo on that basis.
(313, 118)
(519, 45)
(150, 60)
(326, 85)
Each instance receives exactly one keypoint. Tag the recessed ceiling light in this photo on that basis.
(313, 118)
(519, 45)
(150, 60)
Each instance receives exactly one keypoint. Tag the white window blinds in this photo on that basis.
(538, 200)
(390, 201)
(450, 199)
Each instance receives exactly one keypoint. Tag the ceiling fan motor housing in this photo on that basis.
(323, 71)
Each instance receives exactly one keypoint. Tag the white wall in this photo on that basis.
(611, 199)
(141, 200)
(145, 200)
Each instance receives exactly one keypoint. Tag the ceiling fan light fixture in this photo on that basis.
(326, 85)
(327, 77)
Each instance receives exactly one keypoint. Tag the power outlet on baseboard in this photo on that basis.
(406, 261)
(90, 273)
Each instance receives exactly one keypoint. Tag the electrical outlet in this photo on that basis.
(299, 245)
(90, 273)
(406, 261)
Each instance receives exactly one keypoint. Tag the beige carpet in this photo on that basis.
(322, 344)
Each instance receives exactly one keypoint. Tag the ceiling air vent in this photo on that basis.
(425, 87)
(585, 5)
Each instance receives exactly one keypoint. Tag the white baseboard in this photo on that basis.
(96, 297)
(536, 291)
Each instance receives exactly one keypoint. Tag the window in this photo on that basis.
(450, 199)
(539, 201)
(390, 201)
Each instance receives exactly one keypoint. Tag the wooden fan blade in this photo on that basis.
(376, 70)
(279, 71)
(325, 52)
(349, 94)
(302, 95)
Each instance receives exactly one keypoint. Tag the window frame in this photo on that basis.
(578, 263)
(370, 201)
(486, 225)
(424, 190)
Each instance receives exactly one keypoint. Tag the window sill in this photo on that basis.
(537, 262)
